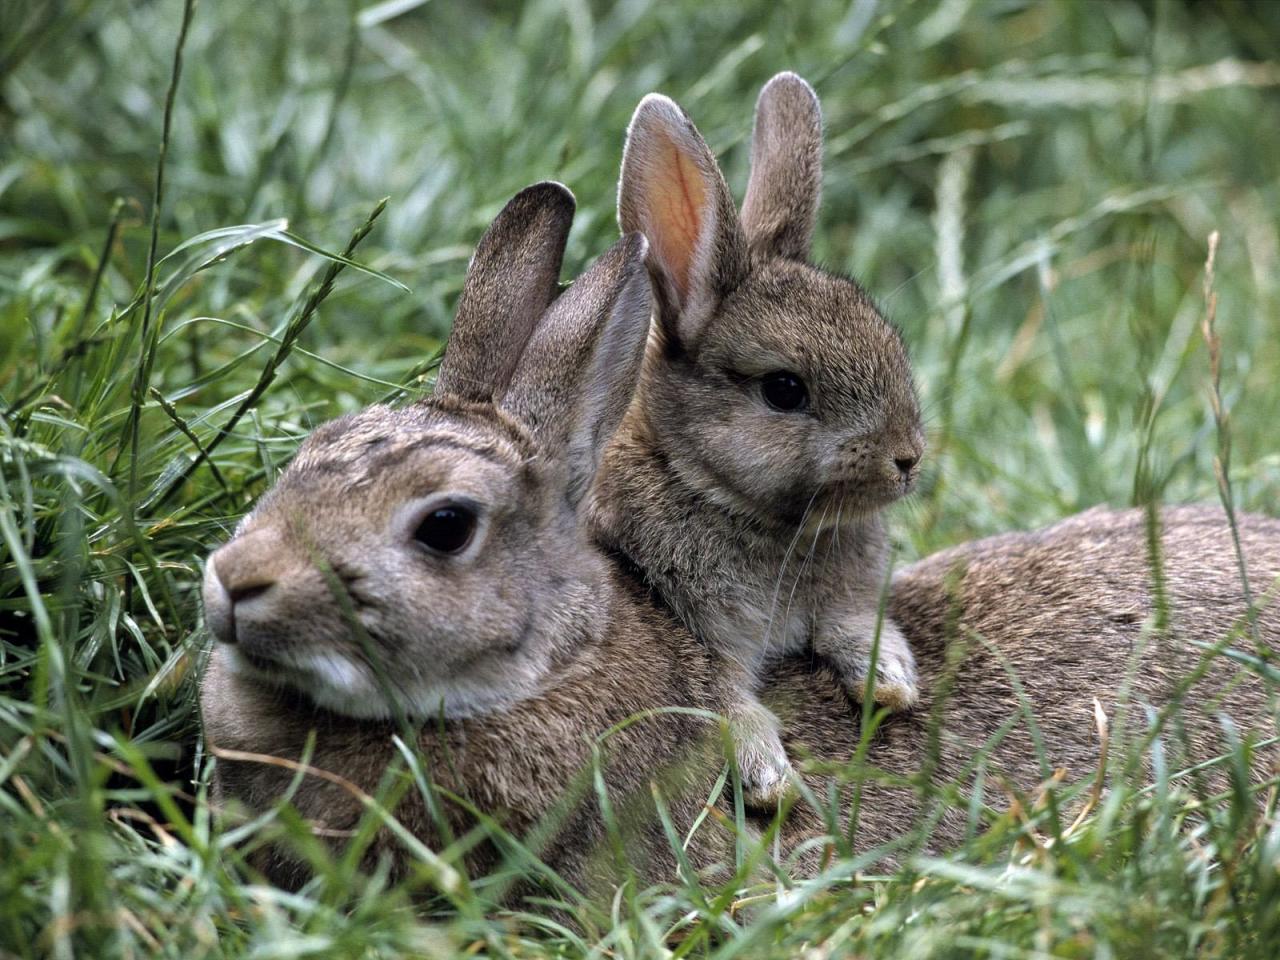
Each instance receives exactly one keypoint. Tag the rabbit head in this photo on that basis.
(428, 559)
(773, 384)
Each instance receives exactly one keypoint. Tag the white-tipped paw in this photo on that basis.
(896, 686)
(762, 759)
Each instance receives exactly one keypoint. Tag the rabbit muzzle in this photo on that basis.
(241, 577)
(258, 598)
(868, 476)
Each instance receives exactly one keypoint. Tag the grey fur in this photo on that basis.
(761, 529)
(569, 403)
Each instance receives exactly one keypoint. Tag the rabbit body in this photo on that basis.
(775, 418)
(1065, 610)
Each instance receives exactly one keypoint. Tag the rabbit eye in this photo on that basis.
(785, 391)
(447, 529)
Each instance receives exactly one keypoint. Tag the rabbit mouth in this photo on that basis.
(857, 496)
(327, 678)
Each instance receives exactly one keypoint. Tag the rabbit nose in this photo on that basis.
(905, 452)
(247, 591)
(239, 572)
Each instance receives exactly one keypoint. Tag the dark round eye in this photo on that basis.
(446, 529)
(783, 390)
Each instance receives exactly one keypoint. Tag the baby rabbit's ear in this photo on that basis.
(781, 206)
(576, 378)
(511, 279)
(672, 191)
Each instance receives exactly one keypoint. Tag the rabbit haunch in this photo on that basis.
(775, 417)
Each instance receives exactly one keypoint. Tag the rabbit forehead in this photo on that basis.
(792, 316)
(385, 454)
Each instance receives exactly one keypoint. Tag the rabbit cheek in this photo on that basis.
(456, 656)
(763, 461)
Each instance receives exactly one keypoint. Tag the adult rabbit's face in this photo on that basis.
(398, 565)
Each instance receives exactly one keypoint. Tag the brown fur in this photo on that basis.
(1068, 611)
(517, 286)
(518, 765)
(543, 647)
(333, 613)
(327, 588)
(1064, 609)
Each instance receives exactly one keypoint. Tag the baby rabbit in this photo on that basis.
(776, 416)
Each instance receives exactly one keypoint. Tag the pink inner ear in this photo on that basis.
(677, 208)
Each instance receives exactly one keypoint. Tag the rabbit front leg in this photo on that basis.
(757, 743)
(847, 641)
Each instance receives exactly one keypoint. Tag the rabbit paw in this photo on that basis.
(897, 685)
(762, 759)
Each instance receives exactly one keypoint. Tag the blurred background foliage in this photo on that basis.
(1027, 187)
(1046, 173)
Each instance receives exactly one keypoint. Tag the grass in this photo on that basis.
(1029, 188)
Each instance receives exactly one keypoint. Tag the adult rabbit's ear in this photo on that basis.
(510, 281)
(577, 375)
(671, 190)
(781, 205)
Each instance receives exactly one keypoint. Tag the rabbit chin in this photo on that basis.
(334, 682)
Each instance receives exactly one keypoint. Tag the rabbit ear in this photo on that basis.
(576, 378)
(510, 280)
(781, 205)
(672, 191)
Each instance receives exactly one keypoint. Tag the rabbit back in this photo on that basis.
(1028, 629)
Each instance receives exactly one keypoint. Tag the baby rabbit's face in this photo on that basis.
(796, 400)
(774, 387)
(398, 561)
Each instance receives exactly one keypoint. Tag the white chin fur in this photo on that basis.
(336, 683)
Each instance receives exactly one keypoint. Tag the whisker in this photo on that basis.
(804, 564)
(777, 586)
(839, 522)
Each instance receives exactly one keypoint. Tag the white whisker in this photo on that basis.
(804, 564)
(777, 586)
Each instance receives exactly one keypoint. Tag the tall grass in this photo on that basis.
(190, 279)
